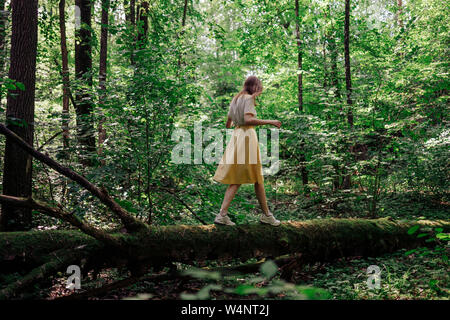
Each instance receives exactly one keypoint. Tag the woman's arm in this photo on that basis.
(250, 119)
(228, 124)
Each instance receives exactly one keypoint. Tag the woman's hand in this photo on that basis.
(276, 123)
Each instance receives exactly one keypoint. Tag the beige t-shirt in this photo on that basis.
(244, 104)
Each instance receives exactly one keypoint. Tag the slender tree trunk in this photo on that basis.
(299, 58)
(17, 175)
(348, 77)
(142, 24)
(65, 75)
(331, 41)
(3, 20)
(325, 65)
(83, 72)
(346, 184)
(183, 23)
(303, 170)
(102, 71)
(133, 12)
(334, 69)
(130, 16)
(398, 15)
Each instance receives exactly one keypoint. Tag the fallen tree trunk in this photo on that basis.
(316, 240)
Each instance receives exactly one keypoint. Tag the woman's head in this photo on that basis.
(252, 86)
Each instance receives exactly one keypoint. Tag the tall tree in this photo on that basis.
(83, 72)
(3, 20)
(102, 70)
(348, 76)
(331, 41)
(65, 74)
(346, 184)
(300, 91)
(398, 15)
(299, 58)
(183, 23)
(142, 23)
(17, 174)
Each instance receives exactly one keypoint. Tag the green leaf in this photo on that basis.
(10, 86)
(20, 85)
(443, 236)
(413, 229)
(244, 289)
(421, 235)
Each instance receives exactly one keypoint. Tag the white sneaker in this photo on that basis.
(225, 220)
(269, 219)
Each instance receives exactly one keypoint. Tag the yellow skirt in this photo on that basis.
(241, 161)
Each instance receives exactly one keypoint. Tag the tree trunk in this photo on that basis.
(83, 72)
(299, 58)
(348, 77)
(65, 75)
(142, 24)
(334, 69)
(325, 65)
(17, 175)
(183, 23)
(316, 240)
(303, 170)
(347, 183)
(398, 15)
(133, 12)
(3, 20)
(102, 71)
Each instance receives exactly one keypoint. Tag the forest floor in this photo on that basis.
(402, 277)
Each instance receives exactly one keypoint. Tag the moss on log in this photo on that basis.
(46, 252)
(317, 240)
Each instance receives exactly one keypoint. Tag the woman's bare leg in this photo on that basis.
(261, 195)
(229, 196)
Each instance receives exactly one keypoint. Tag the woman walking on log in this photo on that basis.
(241, 161)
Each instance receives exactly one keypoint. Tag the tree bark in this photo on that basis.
(102, 71)
(316, 240)
(347, 183)
(303, 170)
(17, 175)
(83, 72)
(398, 14)
(348, 77)
(299, 58)
(183, 24)
(65, 75)
(3, 20)
(142, 24)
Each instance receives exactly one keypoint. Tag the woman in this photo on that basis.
(241, 162)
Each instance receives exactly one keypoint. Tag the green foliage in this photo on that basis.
(264, 286)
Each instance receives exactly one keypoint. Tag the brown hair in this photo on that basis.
(252, 86)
